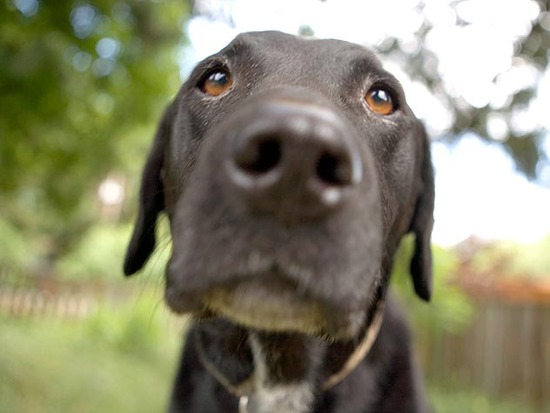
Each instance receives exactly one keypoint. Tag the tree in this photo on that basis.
(531, 52)
(80, 83)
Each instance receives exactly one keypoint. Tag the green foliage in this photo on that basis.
(82, 84)
(13, 254)
(120, 360)
(515, 260)
(137, 327)
(526, 147)
(100, 253)
(449, 308)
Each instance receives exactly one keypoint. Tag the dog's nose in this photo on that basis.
(293, 160)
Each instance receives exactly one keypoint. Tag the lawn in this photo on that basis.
(121, 359)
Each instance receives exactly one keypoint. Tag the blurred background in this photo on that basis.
(82, 85)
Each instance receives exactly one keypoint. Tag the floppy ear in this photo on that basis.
(422, 223)
(151, 200)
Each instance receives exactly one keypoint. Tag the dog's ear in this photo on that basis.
(422, 223)
(151, 200)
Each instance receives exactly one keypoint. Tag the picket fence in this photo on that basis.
(35, 303)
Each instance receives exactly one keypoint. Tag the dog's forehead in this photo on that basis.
(274, 40)
(284, 50)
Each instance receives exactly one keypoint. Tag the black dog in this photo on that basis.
(290, 169)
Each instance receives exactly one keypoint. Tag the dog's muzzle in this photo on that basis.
(280, 227)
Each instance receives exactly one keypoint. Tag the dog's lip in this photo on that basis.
(267, 302)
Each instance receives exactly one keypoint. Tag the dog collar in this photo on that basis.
(361, 351)
(245, 388)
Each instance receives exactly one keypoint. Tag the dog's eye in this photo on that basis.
(216, 83)
(380, 101)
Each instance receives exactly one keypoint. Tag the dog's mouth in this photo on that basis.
(271, 303)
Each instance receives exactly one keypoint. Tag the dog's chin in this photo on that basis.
(267, 304)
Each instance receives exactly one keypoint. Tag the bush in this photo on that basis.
(14, 255)
(100, 255)
(514, 259)
(120, 360)
(450, 309)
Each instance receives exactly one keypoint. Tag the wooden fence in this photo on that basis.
(25, 296)
(36, 303)
(505, 352)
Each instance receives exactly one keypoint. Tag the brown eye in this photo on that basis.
(216, 83)
(380, 101)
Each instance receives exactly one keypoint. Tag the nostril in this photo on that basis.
(334, 170)
(259, 155)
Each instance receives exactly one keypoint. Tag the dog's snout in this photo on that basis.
(296, 161)
(257, 155)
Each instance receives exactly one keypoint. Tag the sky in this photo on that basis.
(478, 192)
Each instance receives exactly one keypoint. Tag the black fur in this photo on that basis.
(287, 197)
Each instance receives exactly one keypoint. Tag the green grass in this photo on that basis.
(120, 360)
(445, 400)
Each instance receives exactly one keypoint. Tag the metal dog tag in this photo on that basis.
(243, 404)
